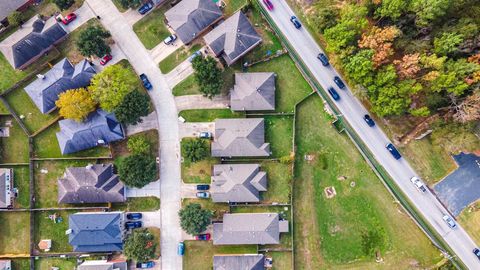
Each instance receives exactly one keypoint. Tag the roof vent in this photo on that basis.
(69, 231)
(89, 167)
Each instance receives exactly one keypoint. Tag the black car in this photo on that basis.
(333, 93)
(476, 251)
(134, 216)
(133, 224)
(339, 82)
(295, 22)
(391, 148)
(145, 81)
(145, 8)
(323, 58)
(203, 187)
(369, 120)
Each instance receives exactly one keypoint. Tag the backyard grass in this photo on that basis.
(233, 5)
(21, 264)
(281, 260)
(45, 228)
(209, 115)
(15, 232)
(9, 75)
(15, 146)
(328, 232)
(21, 181)
(197, 172)
(279, 177)
(151, 29)
(138, 204)
(469, 218)
(218, 209)
(279, 133)
(189, 86)
(177, 57)
(61, 263)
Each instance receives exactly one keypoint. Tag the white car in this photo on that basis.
(418, 184)
(450, 222)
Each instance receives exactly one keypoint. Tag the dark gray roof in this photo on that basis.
(62, 77)
(6, 187)
(237, 183)
(190, 17)
(33, 39)
(242, 137)
(90, 184)
(99, 125)
(102, 265)
(96, 231)
(248, 229)
(253, 92)
(233, 38)
(9, 6)
(239, 262)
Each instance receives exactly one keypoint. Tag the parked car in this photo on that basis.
(134, 216)
(133, 224)
(203, 237)
(195, 54)
(268, 4)
(418, 184)
(170, 39)
(145, 265)
(369, 120)
(145, 7)
(476, 251)
(203, 195)
(203, 187)
(295, 22)
(339, 82)
(450, 222)
(105, 59)
(145, 81)
(323, 58)
(391, 148)
(69, 18)
(181, 249)
(333, 93)
(205, 135)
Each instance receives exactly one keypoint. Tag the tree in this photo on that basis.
(64, 4)
(447, 43)
(91, 41)
(359, 67)
(110, 86)
(373, 240)
(408, 67)
(195, 149)
(133, 106)
(420, 112)
(324, 17)
(15, 18)
(130, 3)
(429, 10)
(137, 170)
(340, 36)
(194, 219)
(469, 109)
(140, 245)
(207, 75)
(75, 104)
(380, 41)
(392, 9)
(138, 145)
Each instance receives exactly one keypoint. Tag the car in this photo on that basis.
(203, 195)
(134, 216)
(339, 82)
(181, 249)
(145, 7)
(450, 222)
(203, 237)
(105, 59)
(170, 39)
(333, 93)
(203, 187)
(205, 135)
(69, 18)
(323, 58)
(195, 54)
(391, 148)
(145, 81)
(295, 22)
(369, 120)
(418, 184)
(145, 265)
(268, 4)
(133, 224)
(476, 251)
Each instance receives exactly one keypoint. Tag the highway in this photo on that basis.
(373, 137)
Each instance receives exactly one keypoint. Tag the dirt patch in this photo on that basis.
(330, 192)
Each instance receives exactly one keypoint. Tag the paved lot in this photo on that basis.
(462, 187)
(193, 129)
(189, 102)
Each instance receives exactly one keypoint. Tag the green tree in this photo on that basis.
(138, 145)
(195, 150)
(133, 106)
(15, 18)
(194, 219)
(110, 86)
(140, 245)
(207, 75)
(373, 240)
(420, 112)
(64, 4)
(130, 3)
(447, 43)
(137, 170)
(75, 104)
(340, 36)
(428, 11)
(91, 41)
(359, 67)
(324, 17)
(392, 9)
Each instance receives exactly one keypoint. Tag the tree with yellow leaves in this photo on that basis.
(75, 104)
(380, 41)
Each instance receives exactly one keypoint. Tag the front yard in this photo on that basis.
(209, 115)
(138, 204)
(15, 232)
(189, 86)
(174, 59)
(218, 209)
(197, 172)
(151, 29)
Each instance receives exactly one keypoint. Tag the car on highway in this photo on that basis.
(181, 249)
(145, 265)
(295, 22)
(195, 54)
(69, 18)
(134, 216)
(205, 135)
(418, 184)
(268, 4)
(369, 120)
(145, 7)
(450, 222)
(333, 93)
(476, 251)
(323, 58)
(203, 187)
(203, 237)
(145, 81)
(339, 82)
(133, 224)
(170, 39)
(105, 59)
(391, 148)
(203, 195)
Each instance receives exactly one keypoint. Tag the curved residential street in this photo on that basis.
(166, 110)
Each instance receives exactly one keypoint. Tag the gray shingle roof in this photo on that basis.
(99, 125)
(33, 39)
(62, 77)
(239, 262)
(6, 187)
(240, 138)
(233, 38)
(102, 265)
(247, 229)
(90, 184)
(96, 231)
(5, 265)
(237, 183)
(9, 6)
(253, 92)
(190, 17)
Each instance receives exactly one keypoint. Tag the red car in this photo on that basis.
(268, 4)
(69, 18)
(105, 59)
(203, 237)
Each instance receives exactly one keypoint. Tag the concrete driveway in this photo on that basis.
(161, 51)
(149, 122)
(189, 102)
(188, 190)
(84, 13)
(132, 16)
(194, 129)
(180, 73)
(152, 189)
(117, 56)
(151, 219)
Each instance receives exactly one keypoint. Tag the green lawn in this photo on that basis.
(15, 147)
(61, 263)
(21, 264)
(469, 218)
(21, 181)
(151, 29)
(15, 232)
(218, 209)
(156, 234)
(233, 5)
(9, 75)
(209, 115)
(45, 228)
(189, 86)
(279, 133)
(68, 47)
(281, 260)
(177, 57)
(138, 204)
(119, 6)
(197, 172)
(279, 177)
(120, 149)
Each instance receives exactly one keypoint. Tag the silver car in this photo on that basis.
(418, 184)
(450, 222)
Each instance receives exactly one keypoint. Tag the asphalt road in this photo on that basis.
(374, 138)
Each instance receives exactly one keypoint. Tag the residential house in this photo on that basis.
(243, 137)
(103, 265)
(249, 229)
(35, 38)
(9, 6)
(96, 231)
(5, 265)
(190, 18)
(239, 262)
(63, 76)
(100, 128)
(253, 92)
(91, 184)
(7, 193)
(233, 38)
(233, 183)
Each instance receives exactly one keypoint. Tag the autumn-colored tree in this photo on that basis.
(474, 58)
(75, 104)
(408, 67)
(380, 41)
(469, 109)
